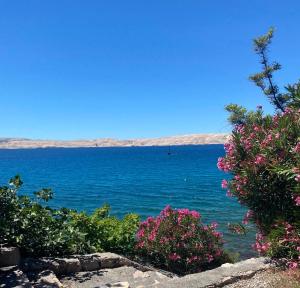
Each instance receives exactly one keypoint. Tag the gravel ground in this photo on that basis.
(267, 279)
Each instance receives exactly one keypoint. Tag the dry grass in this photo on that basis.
(270, 279)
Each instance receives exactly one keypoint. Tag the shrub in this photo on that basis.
(107, 233)
(176, 240)
(263, 156)
(39, 230)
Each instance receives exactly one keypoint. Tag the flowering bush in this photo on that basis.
(263, 155)
(177, 240)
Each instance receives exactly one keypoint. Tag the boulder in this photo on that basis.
(9, 256)
(47, 279)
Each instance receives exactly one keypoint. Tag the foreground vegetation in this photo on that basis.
(39, 230)
(176, 240)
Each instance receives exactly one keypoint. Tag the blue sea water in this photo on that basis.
(131, 179)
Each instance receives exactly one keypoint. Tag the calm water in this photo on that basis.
(134, 179)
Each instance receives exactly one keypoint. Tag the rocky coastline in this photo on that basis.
(112, 270)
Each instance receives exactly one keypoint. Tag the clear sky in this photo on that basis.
(74, 69)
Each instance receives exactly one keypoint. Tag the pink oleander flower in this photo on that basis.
(224, 184)
(210, 258)
(174, 256)
(240, 128)
(220, 163)
(192, 259)
(297, 178)
(229, 148)
(260, 159)
(249, 214)
(293, 265)
(255, 128)
(140, 244)
(195, 214)
(217, 234)
(229, 194)
(152, 236)
(297, 148)
(166, 212)
(141, 233)
(224, 165)
(297, 200)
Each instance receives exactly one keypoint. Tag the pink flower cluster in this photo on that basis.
(179, 240)
(248, 216)
(289, 239)
(297, 200)
(297, 148)
(261, 245)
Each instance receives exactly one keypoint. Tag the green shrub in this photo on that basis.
(39, 230)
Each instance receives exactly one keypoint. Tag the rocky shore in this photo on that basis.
(111, 270)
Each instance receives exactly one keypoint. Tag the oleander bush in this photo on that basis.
(263, 157)
(39, 230)
(176, 240)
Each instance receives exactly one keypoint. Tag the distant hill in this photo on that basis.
(193, 139)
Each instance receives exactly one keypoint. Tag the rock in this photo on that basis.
(220, 276)
(110, 260)
(36, 265)
(226, 265)
(14, 277)
(140, 274)
(68, 266)
(48, 279)
(89, 262)
(119, 284)
(58, 265)
(109, 277)
(9, 256)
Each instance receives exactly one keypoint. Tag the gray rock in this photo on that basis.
(58, 265)
(66, 266)
(40, 264)
(119, 284)
(115, 276)
(221, 276)
(47, 279)
(110, 260)
(13, 277)
(9, 256)
(89, 262)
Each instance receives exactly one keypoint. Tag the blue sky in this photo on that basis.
(90, 69)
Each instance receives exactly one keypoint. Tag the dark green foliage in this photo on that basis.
(264, 79)
(40, 230)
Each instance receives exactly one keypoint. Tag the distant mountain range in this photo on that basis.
(193, 139)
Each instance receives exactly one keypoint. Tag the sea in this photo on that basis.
(142, 180)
